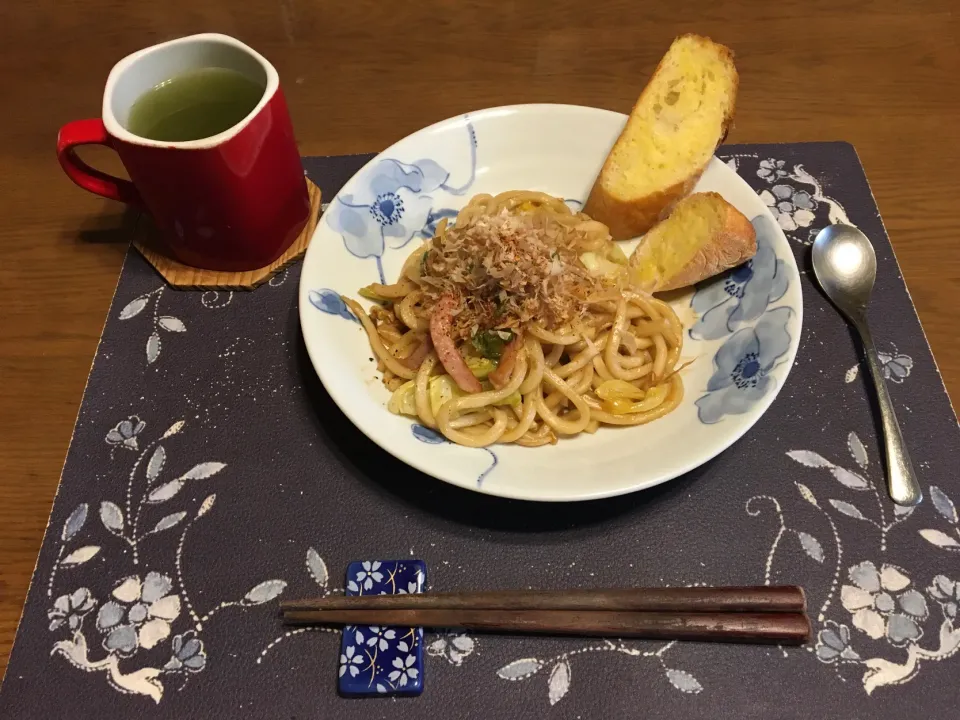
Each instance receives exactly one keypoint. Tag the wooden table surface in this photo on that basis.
(362, 74)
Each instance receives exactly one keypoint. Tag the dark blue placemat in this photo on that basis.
(209, 473)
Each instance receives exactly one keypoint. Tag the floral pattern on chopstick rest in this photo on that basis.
(382, 660)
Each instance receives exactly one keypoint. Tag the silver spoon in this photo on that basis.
(846, 267)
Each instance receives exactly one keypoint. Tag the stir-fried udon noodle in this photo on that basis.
(519, 323)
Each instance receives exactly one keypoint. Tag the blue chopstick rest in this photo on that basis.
(382, 660)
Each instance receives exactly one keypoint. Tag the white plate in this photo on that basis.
(743, 328)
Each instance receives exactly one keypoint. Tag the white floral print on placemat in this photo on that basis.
(168, 325)
(772, 170)
(452, 647)
(896, 366)
(791, 207)
(124, 433)
(883, 620)
(144, 608)
(560, 675)
(794, 196)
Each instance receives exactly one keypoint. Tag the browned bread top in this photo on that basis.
(703, 236)
(679, 119)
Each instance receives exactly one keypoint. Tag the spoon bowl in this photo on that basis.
(845, 265)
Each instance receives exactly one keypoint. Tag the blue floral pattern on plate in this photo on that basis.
(736, 304)
(377, 660)
(742, 295)
(427, 435)
(432, 437)
(330, 302)
(394, 203)
(742, 367)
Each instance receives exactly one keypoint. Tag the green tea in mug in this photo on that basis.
(194, 105)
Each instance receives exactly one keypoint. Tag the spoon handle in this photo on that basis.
(902, 481)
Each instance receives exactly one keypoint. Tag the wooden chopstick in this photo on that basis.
(763, 599)
(788, 628)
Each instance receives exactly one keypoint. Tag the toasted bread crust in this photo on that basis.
(629, 217)
(733, 244)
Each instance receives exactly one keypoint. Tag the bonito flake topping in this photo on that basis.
(506, 271)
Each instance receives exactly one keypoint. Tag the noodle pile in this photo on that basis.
(520, 324)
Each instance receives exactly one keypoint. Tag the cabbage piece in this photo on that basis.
(599, 266)
(403, 401)
(441, 389)
(619, 390)
(480, 366)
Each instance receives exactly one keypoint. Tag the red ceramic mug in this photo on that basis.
(233, 201)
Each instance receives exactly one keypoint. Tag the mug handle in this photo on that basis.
(92, 132)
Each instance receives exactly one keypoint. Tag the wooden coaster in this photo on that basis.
(185, 277)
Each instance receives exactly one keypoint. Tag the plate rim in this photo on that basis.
(413, 460)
